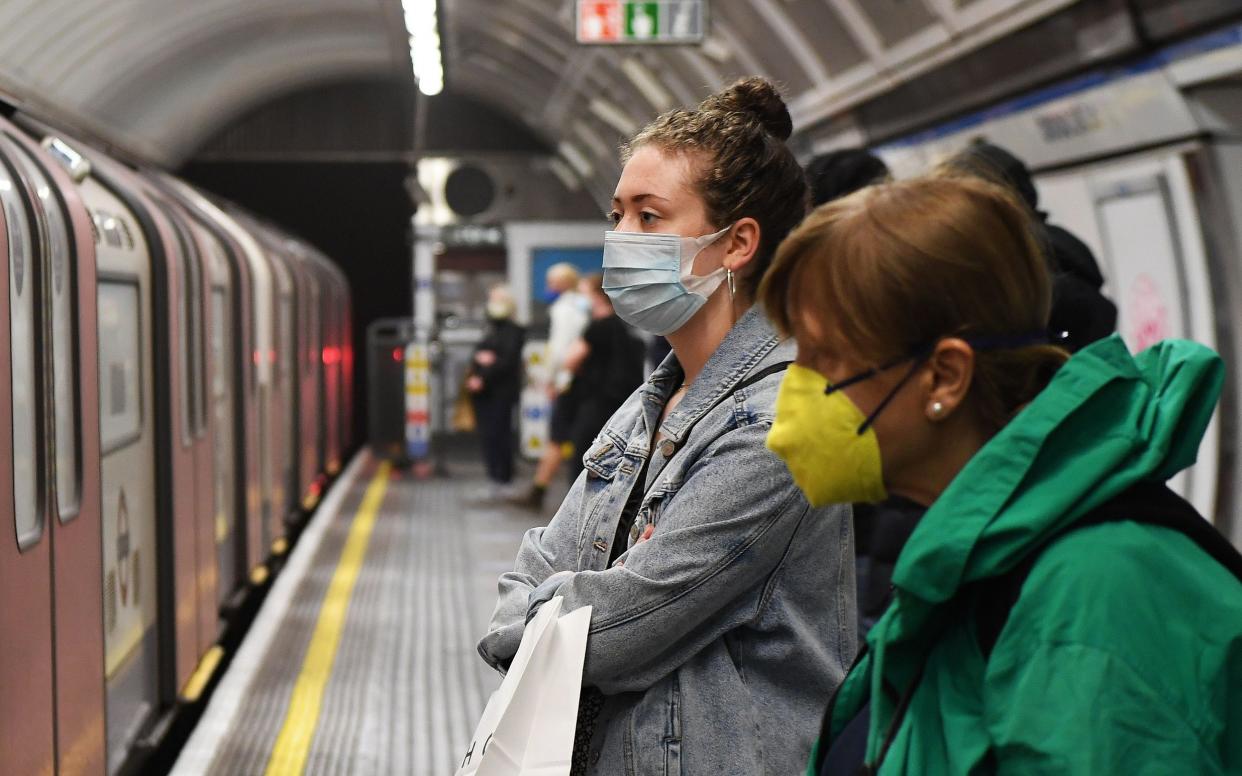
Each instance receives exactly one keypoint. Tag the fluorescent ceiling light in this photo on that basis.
(592, 140)
(647, 84)
(576, 159)
(566, 175)
(423, 27)
(613, 116)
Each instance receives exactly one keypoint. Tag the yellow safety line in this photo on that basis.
(258, 575)
(293, 744)
(198, 680)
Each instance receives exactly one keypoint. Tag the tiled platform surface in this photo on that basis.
(406, 685)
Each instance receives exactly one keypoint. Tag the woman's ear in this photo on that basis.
(952, 368)
(743, 244)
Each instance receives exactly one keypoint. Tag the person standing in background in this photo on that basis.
(844, 171)
(568, 315)
(495, 382)
(607, 363)
(1081, 314)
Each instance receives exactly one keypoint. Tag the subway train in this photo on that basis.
(175, 393)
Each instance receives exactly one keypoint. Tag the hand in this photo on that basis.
(485, 358)
(552, 393)
(647, 532)
(474, 383)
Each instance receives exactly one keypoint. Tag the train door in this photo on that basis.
(308, 369)
(27, 711)
(65, 335)
(222, 407)
(284, 402)
(1139, 216)
(194, 307)
(332, 355)
(249, 287)
(127, 466)
(347, 367)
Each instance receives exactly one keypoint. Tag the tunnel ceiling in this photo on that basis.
(161, 77)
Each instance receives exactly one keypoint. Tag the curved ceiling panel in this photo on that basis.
(159, 77)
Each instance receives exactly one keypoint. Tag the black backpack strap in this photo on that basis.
(1145, 503)
(767, 371)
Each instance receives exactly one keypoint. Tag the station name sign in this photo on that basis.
(641, 21)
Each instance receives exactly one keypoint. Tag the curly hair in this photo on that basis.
(748, 171)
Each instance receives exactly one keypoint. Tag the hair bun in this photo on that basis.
(758, 97)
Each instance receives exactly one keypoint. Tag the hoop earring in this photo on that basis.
(732, 288)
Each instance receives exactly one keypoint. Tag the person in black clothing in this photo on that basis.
(495, 383)
(1081, 314)
(837, 173)
(607, 364)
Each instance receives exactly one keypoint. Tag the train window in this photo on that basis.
(59, 297)
(198, 340)
(22, 338)
(120, 364)
(287, 347)
(190, 320)
(219, 372)
(312, 350)
(64, 355)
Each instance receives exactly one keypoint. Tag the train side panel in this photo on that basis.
(77, 561)
(26, 694)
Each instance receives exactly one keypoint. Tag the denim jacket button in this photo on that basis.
(667, 448)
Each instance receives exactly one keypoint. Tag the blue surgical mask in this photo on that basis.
(650, 278)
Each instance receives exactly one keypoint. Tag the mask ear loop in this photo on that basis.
(891, 395)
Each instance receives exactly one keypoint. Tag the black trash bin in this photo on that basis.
(386, 342)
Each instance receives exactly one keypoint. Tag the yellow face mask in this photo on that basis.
(825, 440)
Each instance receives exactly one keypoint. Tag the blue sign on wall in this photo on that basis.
(587, 260)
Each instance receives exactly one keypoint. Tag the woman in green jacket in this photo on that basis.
(1028, 634)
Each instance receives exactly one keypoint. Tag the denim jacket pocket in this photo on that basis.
(655, 731)
(672, 733)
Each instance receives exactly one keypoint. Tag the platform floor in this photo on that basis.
(362, 659)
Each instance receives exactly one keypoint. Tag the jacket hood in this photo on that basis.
(1106, 421)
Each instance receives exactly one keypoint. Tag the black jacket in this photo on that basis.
(502, 381)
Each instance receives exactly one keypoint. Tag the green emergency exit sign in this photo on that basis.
(641, 21)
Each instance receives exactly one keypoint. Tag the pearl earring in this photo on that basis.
(936, 409)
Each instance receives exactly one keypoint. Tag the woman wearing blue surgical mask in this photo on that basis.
(722, 601)
(1058, 609)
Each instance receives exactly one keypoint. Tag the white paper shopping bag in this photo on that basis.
(528, 726)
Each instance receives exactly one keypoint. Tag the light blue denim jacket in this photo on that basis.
(720, 639)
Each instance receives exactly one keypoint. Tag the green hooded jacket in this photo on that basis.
(1123, 652)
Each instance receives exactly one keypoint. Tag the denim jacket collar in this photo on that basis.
(746, 345)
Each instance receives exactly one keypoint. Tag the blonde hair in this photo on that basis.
(898, 265)
(563, 271)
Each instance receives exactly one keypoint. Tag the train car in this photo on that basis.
(155, 432)
(238, 402)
